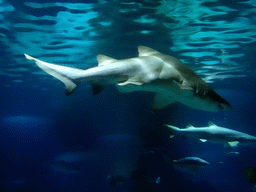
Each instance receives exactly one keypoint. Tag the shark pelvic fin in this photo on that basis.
(160, 102)
(104, 60)
(233, 143)
(130, 82)
(146, 51)
(183, 89)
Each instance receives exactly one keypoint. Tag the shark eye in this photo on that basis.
(221, 108)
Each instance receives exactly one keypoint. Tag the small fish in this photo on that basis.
(192, 161)
(233, 153)
(158, 180)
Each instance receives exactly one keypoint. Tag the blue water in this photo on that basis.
(82, 142)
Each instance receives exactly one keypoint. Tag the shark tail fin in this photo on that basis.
(173, 130)
(69, 76)
(172, 127)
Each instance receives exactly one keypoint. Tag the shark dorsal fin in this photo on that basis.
(104, 60)
(190, 126)
(211, 124)
(146, 51)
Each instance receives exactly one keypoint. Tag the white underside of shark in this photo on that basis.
(215, 134)
(151, 71)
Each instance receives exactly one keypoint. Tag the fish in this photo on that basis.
(215, 134)
(158, 179)
(166, 76)
(192, 161)
(190, 164)
(233, 153)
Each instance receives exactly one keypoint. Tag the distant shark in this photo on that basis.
(189, 164)
(152, 71)
(216, 134)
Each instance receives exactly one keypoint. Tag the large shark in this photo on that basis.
(151, 71)
(215, 134)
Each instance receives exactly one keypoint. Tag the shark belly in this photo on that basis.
(168, 92)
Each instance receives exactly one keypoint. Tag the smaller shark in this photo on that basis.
(215, 134)
(189, 164)
(151, 71)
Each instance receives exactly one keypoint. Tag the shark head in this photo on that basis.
(216, 102)
(203, 98)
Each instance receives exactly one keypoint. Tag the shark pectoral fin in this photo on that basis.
(129, 82)
(233, 143)
(129, 86)
(203, 140)
(171, 136)
(67, 75)
(185, 90)
(160, 102)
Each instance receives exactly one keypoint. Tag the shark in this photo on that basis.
(216, 134)
(189, 164)
(166, 76)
